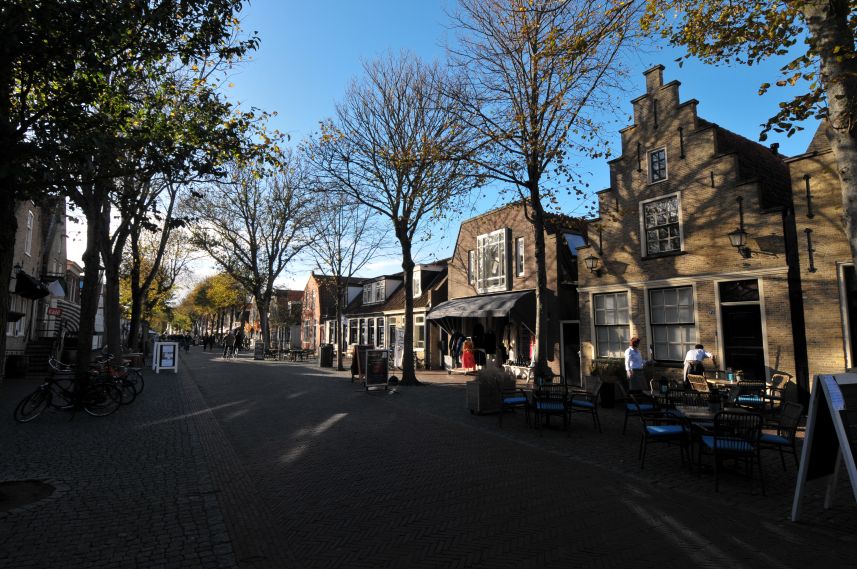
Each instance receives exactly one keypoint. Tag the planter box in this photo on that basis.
(482, 398)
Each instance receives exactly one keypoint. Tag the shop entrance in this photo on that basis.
(570, 342)
(741, 316)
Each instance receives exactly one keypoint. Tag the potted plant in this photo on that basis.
(483, 393)
(611, 371)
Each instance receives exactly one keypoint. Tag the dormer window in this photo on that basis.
(492, 261)
(657, 165)
(418, 283)
(374, 293)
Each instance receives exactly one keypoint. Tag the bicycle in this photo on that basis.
(103, 370)
(98, 399)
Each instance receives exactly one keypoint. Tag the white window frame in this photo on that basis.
(520, 257)
(688, 345)
(419, 330)
(649, 165)
(417, 283)
(28, 240)
(471, 267)
(499, 282)
(596, 325)
(380, 336)
(644, 246)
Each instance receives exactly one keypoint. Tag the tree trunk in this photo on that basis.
(409, 376)
(828, 23)
(112, 311)
(263, 304)
(97, 220)
(538, 220)
(337, 334)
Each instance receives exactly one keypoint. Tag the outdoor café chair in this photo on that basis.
(698, 383)
(641, 404)
(665, 429)
(586, 400)
(736, 437)
(550, 399)
(512, 398)
(786, 426)
(751, 395)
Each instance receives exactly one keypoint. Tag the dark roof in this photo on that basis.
(821, 139)
(396, 300)
(756, 162)
(356, 307)
(555, 222)
(289, 295)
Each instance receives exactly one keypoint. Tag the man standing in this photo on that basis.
(634, 364)
(228, 344)
(693, 362)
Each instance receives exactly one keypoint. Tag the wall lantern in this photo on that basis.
(592, 263)
(738, 238)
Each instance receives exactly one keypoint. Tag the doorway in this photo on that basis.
(741, 317)
(570, 352)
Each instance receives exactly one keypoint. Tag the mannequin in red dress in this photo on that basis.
(468, 359)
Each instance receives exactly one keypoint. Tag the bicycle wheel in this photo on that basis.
(101, 399)
(126, 389)
(136, 379)
(32, 405)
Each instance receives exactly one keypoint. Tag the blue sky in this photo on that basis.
(310, 50)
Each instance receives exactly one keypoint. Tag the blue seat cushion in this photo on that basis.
(750, 399)
(727, 445)
(549, 406)
(583, 403)
(664, 430)
(520, 400)
(774, 439)
(642, 407)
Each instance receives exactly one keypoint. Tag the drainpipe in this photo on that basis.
(796, 306)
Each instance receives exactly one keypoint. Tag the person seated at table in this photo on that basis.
(693, 362)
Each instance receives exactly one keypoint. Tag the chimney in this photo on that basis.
(775, 148)
(654, 78)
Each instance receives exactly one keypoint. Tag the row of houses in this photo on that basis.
(44, 290)
(702, 237)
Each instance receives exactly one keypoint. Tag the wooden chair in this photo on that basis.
(585, 400)
(698, 383)
(641, 405)
(550, 399)
(736, 436)
(786, 426)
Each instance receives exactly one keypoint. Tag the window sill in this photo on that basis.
(668, 364)
(650, 183)
(662, 255)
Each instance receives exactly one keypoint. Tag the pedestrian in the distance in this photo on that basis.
(228, 345)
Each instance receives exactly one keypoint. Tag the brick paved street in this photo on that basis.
(269, 464)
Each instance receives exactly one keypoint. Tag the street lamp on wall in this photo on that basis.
(592, 263)
(738, 238)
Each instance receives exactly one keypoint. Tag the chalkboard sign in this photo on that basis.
(166, 357)
(376, 368)
(358, 361)
(831, 436)
(259, 350)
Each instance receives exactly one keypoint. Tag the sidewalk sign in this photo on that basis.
(259, 350)
(358, 361)
(399, 348)
(831, 436)
(376, 369)
(166, 357)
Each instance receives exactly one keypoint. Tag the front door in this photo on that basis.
(742, 340)
(570, 364)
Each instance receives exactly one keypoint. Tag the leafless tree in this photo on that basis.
(254, 225)
(348, 237)
(397, 147)
(538, 77)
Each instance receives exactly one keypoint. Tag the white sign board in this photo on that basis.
(831, 436)
(399, 348)
(166, 357)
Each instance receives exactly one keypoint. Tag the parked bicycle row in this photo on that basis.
(106, 387)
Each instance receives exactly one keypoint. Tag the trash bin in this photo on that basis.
(325, 355)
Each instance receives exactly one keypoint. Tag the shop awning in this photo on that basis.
(519, 306)
(30, 287)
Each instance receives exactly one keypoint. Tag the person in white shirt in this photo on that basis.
(693, 361)
(634, 364)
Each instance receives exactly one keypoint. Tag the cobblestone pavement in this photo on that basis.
(271, 464)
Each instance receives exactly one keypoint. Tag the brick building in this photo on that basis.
(829, 282)
(318, 312)
(492, 281)
(665, 266)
